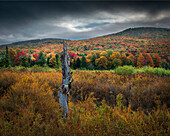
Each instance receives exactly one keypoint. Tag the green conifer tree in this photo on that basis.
(41, 59)
(58, 61)
(83, 62)
(7, 58)
(78, 63)
(74, 64)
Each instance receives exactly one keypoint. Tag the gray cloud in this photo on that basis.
(76, 20)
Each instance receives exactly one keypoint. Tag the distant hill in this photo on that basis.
(149, 32)
(141, 30)
(46, 40)
(137, 32)
(131, 40)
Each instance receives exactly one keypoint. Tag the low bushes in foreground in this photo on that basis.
(84, 118)
(101, 103)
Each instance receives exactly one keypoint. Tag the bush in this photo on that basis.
(125, 70)
(160, 71)
(157, 71)
(136, 104)
(28, 109)
(36, 68)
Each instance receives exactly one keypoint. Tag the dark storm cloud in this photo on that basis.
(75, 20)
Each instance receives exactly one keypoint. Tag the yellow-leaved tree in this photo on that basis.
(104, 53)
(101, 62)
(52, 62)
(131, 59)
(88, 58)
(114, 60)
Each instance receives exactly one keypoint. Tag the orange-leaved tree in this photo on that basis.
(131, 59)
(140, 60)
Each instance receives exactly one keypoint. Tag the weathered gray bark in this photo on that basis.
(66, 79)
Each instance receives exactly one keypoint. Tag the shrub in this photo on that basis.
(102, 103)
(156, 71)
(28, 109)
(125, 70)
(37, 68)
(159, 71)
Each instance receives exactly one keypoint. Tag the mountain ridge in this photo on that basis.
(135, 30)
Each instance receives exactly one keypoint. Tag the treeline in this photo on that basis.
(99, 60)
(103, 60)
(22, 58)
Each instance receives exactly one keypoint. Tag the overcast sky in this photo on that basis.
(23, 20)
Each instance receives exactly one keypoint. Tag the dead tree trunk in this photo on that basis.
(66, 79)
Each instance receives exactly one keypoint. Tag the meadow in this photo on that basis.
(101, 102)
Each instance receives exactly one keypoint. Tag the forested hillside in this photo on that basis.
(133, 46)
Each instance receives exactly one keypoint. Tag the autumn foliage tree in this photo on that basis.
(52, 62)
(115, 60)
(157, 60)
(104, 53)
(148, 60)
(124, 59)
(35, 55)
(48, 59)
(18, 50)
(21, 59)
(101, 62)
(131, 59)
(140, 60)
(88, 58)
(98, 54)
(12, 55)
